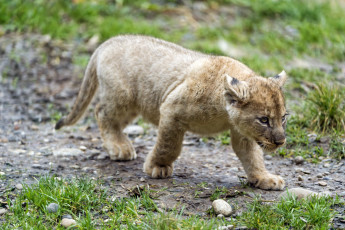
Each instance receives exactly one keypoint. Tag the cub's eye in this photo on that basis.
(263, 120)
(284, 118)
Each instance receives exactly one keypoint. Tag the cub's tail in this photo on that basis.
(86, 92)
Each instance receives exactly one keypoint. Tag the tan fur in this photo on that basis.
(181, 90)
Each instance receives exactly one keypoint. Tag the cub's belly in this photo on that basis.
(209, 127)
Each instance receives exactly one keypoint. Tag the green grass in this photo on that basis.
(92, 207)
(96, 208)
(290, 213)
(326, 108)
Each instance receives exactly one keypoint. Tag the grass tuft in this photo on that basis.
(327, 108)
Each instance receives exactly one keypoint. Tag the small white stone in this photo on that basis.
(134, 130)
(142, 179)
(19, 186)
(82, 148)
(68, 222)
(2, 211)
(222, 207)
(2, 173)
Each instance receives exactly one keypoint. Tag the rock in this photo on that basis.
(298, 170)
(300, 193)
(142, 179)
(68, 222)
(82, 148)
(220, 216)
(299, 160)
(268, 157)
(36, 166)
(222, 207)
(227, 227)
(300, 178)
(2, 211)
(322, 183)
(19, 186)
(18, 151)
(327, 165)
(67, 216)
(102, 156)
(67, 152)
(134, 130)
(52, 207)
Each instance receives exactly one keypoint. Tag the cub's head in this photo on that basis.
(256, 109)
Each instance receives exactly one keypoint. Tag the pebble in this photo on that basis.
(227, 227)
(2, 173)
(222, 207)
(142, 179)
(18, 151)
(300, 193)
(2, 211)
(134, 130)
(299, 160)
(36, 166)
(19, 186)
(327, 165)
(52, 207)
(66, 222)
(82, 148)
(300, 178)
(268, 157)
(319, 175)
(67, 216)
(67, 152)
(322, 183)
(298, 170)
(220, 216)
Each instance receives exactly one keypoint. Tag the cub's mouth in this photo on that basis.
(267, 147)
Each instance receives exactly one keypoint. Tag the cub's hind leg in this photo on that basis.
(112, 119)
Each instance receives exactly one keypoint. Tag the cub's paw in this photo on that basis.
(123, 152)
(267, 181)
(158, 171)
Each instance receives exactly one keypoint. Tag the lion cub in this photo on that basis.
(181, 90)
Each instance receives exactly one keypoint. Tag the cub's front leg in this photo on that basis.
(251, 157)
(159, 162)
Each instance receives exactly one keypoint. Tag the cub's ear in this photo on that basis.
(279, 79)
(236, 91)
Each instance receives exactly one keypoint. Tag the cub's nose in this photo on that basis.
(280, 142)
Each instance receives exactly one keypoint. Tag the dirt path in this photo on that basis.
(38, 80)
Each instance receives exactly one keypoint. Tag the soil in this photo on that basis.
(40, 79)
